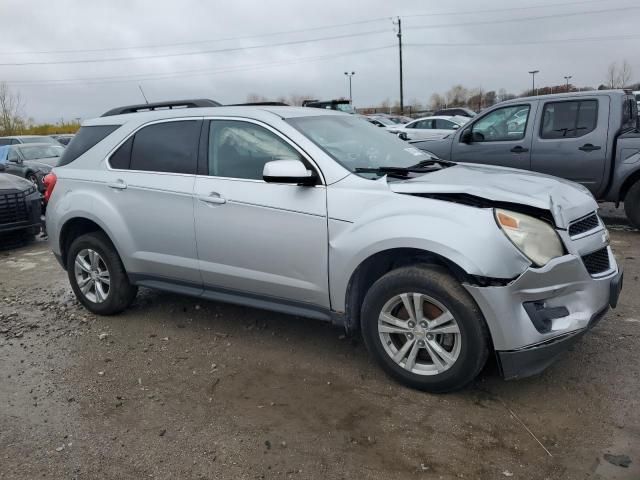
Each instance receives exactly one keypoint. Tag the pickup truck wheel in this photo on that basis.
(632, 205)
(97, 275)
(424, 329)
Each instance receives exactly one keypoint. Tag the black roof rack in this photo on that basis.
(145, 107)
(259, 104)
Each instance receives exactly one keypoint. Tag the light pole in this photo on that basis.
(567, 78)
(533, 80)
(350, 74)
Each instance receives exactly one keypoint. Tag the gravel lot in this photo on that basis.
(182, 388)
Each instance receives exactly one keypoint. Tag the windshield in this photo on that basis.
(383, 120)
(35, 152)
(345, 107)
(357, 144)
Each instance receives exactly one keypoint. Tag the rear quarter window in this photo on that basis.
(86, 138)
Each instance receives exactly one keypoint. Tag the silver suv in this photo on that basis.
(320, 214)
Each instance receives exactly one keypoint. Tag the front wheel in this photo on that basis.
(632, 205)
(424, 329)
(97, 275)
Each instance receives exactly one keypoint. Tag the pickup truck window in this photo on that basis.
(502, 124)
(569, 119)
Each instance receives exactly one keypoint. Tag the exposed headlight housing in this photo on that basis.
(537, 240)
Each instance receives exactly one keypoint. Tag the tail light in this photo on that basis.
(49, 184)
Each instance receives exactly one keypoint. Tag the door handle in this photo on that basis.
(213, 197)
(519, 149)
(118, 184)
(587, 147)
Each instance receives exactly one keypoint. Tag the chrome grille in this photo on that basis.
(597, 262)
(13, 208)
(585, 224)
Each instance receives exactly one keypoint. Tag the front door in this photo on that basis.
(501, 137)
(571, 141)
(254, 237)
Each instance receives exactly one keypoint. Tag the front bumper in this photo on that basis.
(563, 285)
(31, 223)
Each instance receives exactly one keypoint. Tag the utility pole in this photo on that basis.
(533, 81)
(399, 35)
(567, 78)
(350, 95)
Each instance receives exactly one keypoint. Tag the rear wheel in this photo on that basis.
(97, 275)
(632, 205)
(424, 329)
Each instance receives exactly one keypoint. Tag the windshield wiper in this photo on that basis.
(397, 171)
(434, 161)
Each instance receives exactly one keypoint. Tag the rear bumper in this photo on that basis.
(570, 302)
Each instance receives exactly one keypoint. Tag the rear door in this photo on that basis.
(571, 140)
(150, 183)
(499, 137)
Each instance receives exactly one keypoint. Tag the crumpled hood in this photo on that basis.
(13, 182)
(564, 199)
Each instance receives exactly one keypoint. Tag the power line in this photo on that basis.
(500, 10)
(169, 75)
(302, 30)
(198, 52)
(198, 42)
(530, 42)
(522, 19)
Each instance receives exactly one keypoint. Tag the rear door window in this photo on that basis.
(86, 138)
(162, 147)
(570, 119)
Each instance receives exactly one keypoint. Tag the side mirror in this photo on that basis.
(288, 171)
(467, 136)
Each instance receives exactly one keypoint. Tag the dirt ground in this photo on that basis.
(180, 388)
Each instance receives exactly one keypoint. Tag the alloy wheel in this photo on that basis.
(92, 275)
(419, 333)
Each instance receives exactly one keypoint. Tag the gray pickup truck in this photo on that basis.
(592, 138)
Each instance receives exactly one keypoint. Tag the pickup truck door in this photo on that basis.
(571, 140)
(500, 137)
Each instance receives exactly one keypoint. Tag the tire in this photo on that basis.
(632, 205)
(456, 359)
(101, 298)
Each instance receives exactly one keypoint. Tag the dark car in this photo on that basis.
(30, 161)
(20, 207)
(456, 111)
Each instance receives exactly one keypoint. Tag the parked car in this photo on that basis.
(319, 214)
(63, 138)
(428, 128)
(18, 139)
(380, 121)
(397, 119)
(589, 137)
(338, 105)
(31, 161)
(457, 111)
(19, 207)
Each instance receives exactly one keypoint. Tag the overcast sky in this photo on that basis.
(265, 48)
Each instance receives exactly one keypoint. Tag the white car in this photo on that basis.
(428, 128)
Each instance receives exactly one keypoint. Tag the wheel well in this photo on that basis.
(72, 229)
(633, 178)
(377, 265)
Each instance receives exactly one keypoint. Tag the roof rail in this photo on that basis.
(147, 107)
(259, 104)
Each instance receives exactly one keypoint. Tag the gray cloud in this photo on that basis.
(305, 68)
